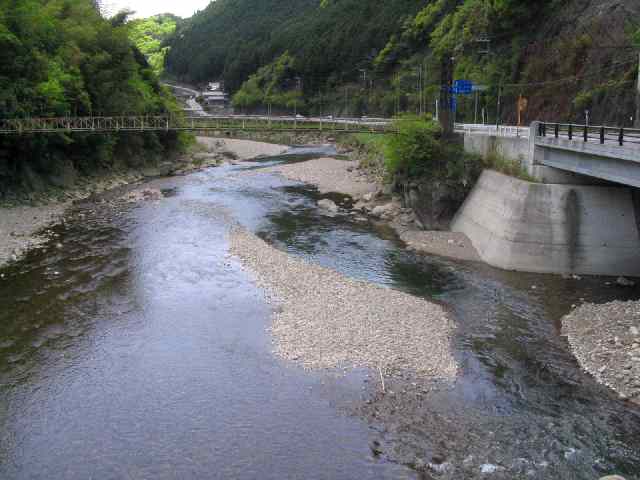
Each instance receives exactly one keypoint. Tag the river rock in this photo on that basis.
(166, 168)
(386, 211)
(367, 197)
(487, 468)
(327, 204)
(625, 282)
(360, 207)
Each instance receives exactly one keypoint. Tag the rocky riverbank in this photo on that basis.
(606, 341)
(24, 226)
(324, 319)
(346, 177)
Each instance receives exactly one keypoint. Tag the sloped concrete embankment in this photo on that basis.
(552, 228)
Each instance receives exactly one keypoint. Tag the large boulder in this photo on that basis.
(434, 203)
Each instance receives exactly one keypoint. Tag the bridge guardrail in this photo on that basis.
(498, 130)
(603, 135)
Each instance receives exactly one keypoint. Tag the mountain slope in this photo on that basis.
(364, 56)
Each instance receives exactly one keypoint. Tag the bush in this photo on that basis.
(415, 149)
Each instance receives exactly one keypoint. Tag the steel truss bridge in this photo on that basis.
(143, 123)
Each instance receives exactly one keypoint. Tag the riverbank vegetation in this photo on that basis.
(418, 150)
(528, 56)
(61, 58)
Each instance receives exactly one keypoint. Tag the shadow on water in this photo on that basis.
(136, 348)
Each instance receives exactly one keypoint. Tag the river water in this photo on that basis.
(133, 346)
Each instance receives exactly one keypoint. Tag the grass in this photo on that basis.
(507, 166)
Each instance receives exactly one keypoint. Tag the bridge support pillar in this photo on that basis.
(552, 228)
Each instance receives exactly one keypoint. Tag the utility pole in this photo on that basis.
(636, 120)
(397, 94)
(346, 101)
(424, 84)
(446, 85)
(498, 107)
(475, 110)
(419, 92)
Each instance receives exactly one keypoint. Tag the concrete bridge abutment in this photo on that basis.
(566, 224)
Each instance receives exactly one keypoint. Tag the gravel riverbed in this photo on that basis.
(324, 319)
(21, 228)
(606, 341)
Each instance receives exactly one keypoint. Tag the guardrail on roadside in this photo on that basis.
(497, 130)
(590, 133)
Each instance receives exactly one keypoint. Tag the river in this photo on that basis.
(133, 346)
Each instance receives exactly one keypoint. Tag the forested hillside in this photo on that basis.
(234, 38)
(58, 58)
(150, 35)
(559, 58)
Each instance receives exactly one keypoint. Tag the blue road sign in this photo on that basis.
(463, 87)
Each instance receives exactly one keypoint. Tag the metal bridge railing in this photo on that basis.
(603, 135)
(195, 123)
(497, 130)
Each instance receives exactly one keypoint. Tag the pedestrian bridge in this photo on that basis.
(143, 123)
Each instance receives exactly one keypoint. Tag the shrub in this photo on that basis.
(415, 149)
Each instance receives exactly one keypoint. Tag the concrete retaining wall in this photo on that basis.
(548, 228)
(513, 148)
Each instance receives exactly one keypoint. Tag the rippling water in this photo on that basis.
(138, 350)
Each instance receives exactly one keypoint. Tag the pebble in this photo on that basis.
(489, 468)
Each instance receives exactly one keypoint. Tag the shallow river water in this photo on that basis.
(133, 346)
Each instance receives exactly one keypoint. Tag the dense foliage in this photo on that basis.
(370, 57)
(234, 38)
(273, 85)
(416, 148)
(150, 34)
(60, 57)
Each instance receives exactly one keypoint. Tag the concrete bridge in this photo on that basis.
(611, 154)
(582, 216)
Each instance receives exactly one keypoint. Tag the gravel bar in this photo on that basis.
(328, 174)
(19, 228)
(326, 320)
(243, 149)
(606, 341)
